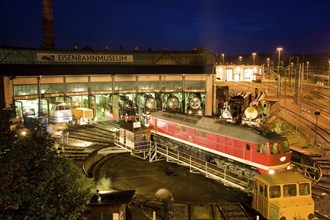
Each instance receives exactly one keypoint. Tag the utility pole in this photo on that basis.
(296, 77)
(317, 113)
(278, 96)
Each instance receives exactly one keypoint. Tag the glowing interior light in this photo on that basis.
(271, 171)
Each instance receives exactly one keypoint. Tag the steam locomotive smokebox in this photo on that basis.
(134, 135)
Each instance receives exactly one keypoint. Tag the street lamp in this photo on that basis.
(223, 58)
(278, 96)
(307, 70)
(240, 60)
(291, 70)
(317, 113)
(329, 73)
(268, 63)
(279, 49)
(254, 57)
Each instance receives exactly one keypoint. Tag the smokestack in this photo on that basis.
(48, 24)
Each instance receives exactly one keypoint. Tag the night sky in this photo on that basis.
(232, 27)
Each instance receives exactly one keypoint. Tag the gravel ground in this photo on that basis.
(322, 204)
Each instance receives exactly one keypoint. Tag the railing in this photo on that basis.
(91, 160)
(208, 169)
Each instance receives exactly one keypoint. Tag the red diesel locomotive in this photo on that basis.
(241, 149)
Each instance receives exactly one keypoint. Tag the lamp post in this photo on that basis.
(329, 73)
(291, 69)
(254, 58)
(284, 96)
(268, 62)
(279, 49)
(223, 58)
(240, 60)
(307, 65)
(278, 99)
(317, 113)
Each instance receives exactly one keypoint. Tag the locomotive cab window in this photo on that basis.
(285, 146)
(304, 189)
(261, 148)
(261, 190)
(289, 190)
(274, 191)
(274, 148)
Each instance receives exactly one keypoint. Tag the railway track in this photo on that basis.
(76, 153)
(100, 134)
(192, 211)
(88, 137)
(321, 186)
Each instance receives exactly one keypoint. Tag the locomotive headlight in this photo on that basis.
(271, 172)
(189, 112)
(290, 167)
(151, 103)
(195, 103)
(173, 102)
(282, 159)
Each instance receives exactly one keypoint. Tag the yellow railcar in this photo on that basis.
(284, 196)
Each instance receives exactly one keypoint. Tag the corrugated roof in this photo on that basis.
(282, 178)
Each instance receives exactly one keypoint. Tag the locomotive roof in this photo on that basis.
(240, 132)
(282, 178)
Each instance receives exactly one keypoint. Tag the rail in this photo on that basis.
(307, 128)
(90, 161)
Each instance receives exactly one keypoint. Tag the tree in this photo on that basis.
(37, 183)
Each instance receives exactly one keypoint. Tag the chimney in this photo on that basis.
(48, 24)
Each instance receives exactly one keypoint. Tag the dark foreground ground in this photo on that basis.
(129, 172)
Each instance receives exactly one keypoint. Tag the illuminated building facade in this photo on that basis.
(33, 79)
(239, 72)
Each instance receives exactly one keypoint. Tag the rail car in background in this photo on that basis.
(195, 104)
(256, 77)
(127, 109)
(237, 104)
(283, 196)
(60, 112)
(242, 149)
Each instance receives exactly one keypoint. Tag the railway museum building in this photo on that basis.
(33, 79)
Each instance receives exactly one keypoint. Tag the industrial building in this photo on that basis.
(34, 79)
